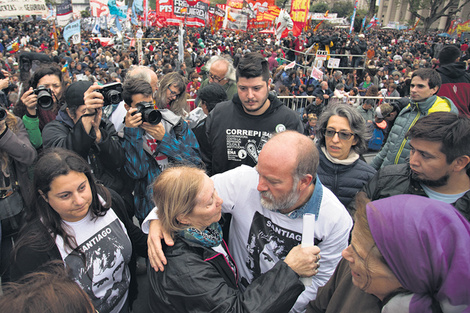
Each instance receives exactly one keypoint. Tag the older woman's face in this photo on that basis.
(208, 209)
(337, 147)
(368, 272)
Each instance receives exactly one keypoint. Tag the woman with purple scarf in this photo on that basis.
(407, 254)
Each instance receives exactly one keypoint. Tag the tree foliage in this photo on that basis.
(343, 8)
(320, 7)
(358, 20)
(434, 9)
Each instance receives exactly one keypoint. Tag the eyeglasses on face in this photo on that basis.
(343, 135)
(174, 93)
(215, 78)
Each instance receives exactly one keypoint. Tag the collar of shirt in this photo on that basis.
(313, 204)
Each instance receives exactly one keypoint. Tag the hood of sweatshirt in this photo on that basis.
(453, 70)
(274, 105)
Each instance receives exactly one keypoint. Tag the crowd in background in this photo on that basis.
(389, 56)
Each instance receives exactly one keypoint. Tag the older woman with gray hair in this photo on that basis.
(342, 137)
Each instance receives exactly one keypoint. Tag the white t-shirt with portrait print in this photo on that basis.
(99, 263)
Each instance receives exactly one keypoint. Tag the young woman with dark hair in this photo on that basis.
(85, 225)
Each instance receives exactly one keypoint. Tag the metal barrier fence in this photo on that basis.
(297, 103)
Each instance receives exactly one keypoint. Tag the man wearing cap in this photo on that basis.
(80, 128)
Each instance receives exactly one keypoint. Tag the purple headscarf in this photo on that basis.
(426, 244)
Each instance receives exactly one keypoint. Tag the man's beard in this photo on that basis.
(431, 183)
(284, 203)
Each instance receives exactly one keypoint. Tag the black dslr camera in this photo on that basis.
(3, 113)
(111, 93)
(149, 114)
(45, 100)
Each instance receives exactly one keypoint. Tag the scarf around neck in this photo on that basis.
(352, 157)
(209, 237)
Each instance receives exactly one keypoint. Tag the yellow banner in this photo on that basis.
(299, 11)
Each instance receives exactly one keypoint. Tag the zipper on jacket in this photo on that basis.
(405, 139)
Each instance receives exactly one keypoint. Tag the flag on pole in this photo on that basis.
(318, 25)
(353, 17)
(363, 23)
(416, 24)
(96, 28)
(14, 46)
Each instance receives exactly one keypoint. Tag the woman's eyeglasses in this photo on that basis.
(343, 135)
(174, 93)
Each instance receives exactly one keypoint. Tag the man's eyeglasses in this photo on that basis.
(215, 78)
(343, 135)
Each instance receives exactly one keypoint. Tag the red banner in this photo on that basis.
(175, 12)
(299, 13)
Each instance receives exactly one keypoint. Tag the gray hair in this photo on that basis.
(338, 74)
(359, 127)
(139, 72)
(230, 75)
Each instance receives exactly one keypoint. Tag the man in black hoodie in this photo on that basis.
(237, 129)
(455, 81)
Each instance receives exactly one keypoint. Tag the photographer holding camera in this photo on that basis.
(150, 145)
(80, 128)
(39, 104)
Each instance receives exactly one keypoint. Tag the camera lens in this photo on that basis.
(114, 96)
(152, 116)
(3, 114)
(45, 100)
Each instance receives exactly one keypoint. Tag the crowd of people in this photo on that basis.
(220, 156)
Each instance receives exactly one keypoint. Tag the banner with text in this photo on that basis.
(176, 12)
(22, 7)
(100, 7)
(64, 13)
(72, 30)
(236, 17)
(298, 13)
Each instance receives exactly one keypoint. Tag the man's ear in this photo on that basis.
(305, 182)
(126, 107)
(72, 116)
(461, 162)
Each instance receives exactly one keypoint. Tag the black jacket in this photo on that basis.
(394, 180)
(318, 91)
(105, 158)
(199, 279)
(344, 180)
